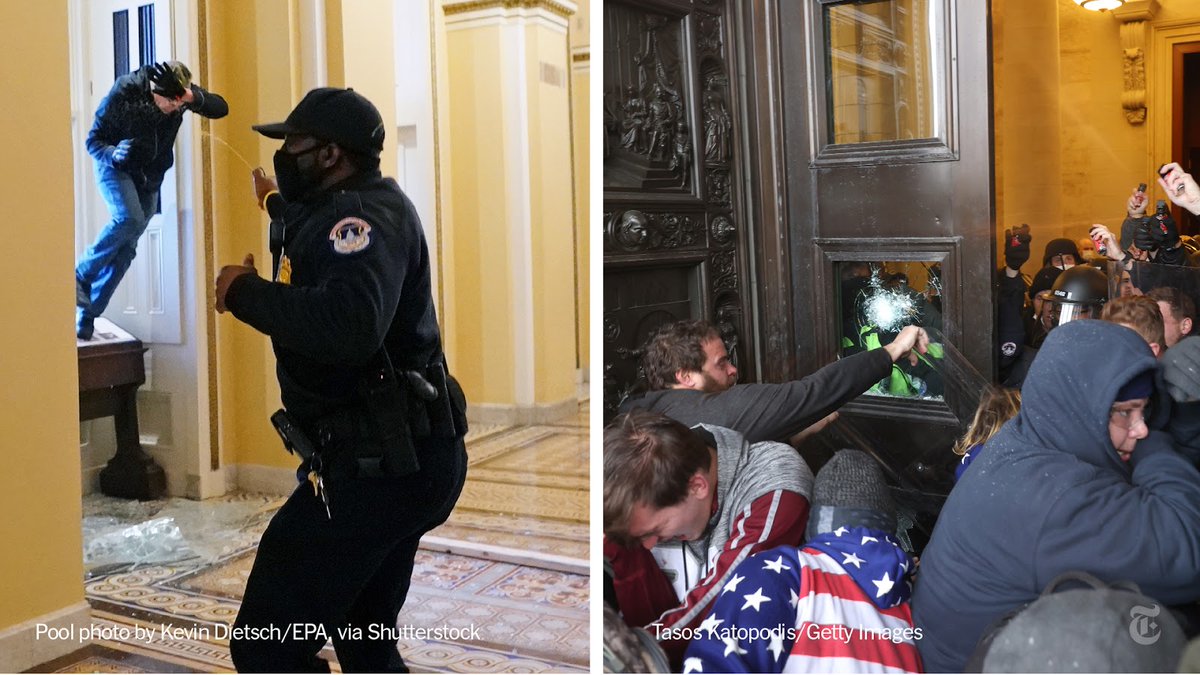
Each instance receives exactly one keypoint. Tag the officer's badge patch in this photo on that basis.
(1008, 348)
(350, 235)
(284, 276)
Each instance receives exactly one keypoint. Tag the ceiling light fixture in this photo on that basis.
(1099, 5)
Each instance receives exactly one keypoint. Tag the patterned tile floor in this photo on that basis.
(526, 496)
(526, 492)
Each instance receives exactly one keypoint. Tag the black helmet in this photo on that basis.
(1078, 293)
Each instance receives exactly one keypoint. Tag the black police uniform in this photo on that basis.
(353, 274)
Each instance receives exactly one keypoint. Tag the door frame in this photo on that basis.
(148, 301)
(766, 191)
(1161, 117)
(180, 393)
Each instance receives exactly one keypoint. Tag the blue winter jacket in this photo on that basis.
(129, 112)
(1050, 494)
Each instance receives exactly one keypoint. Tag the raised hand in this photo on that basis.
(166, 81)
(1016, 247)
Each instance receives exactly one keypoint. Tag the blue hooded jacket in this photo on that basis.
(1049, 494)
(129, 112)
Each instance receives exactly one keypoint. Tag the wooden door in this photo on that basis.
(887, 121)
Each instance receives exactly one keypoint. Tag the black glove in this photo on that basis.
(1181, 370)
(167, 82)
(1164, 229)
(1016, 247)
(1144, 237)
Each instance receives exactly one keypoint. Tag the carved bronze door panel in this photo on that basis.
(674, 220)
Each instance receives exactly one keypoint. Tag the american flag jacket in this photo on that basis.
(838, 604)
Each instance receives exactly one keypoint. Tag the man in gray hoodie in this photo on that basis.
(692, 380)
(682, 508)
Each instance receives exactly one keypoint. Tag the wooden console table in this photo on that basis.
(110, 371)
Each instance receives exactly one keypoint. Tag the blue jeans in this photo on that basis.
(104, 264)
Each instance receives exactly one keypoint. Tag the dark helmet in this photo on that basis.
(1078, 293)
(1061, 247)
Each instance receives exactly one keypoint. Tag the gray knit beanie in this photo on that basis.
(1085, 630)
(850, 491)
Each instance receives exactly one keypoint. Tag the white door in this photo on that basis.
(121, 36)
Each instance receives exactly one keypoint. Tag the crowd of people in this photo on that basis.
(1077, 492)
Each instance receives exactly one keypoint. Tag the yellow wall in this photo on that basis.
(481, 195)
(581, 83)
(447, 253)
(1103, 155)
(369, 65)
(497, 200)
(1066, 156)
(1026, 104)
(41, 570)
(552, 183)
(251, 62)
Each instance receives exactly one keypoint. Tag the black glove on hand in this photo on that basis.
(1181, 370)
(1166, 232)
(1016, 247)
(1144, 237)
(166, 81)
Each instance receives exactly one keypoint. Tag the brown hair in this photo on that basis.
(1140, 313)
(997, 406)
(648, 459)
(676, 346)
(1181, 305)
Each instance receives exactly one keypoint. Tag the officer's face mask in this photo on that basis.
(294, 182)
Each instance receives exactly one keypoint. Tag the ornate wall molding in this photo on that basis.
(464, 14)
(1134, 17)
(564, 9)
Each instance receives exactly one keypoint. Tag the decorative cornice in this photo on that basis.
(1136, 10)
(564, 8)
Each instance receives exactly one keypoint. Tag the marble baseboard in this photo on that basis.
(510, 414)
(21, 647)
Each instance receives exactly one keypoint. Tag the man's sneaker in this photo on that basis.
(83, 293)
(84, 328)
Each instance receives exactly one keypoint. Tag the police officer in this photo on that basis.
(369, 407)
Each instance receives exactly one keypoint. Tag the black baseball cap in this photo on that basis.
(342, 116)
